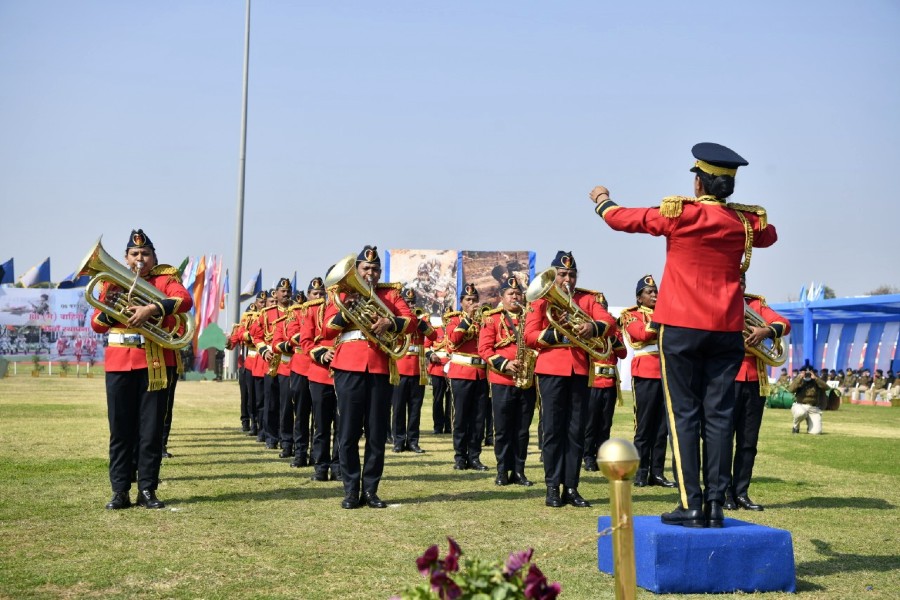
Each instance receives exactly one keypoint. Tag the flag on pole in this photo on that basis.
(74, 282)
(224, 291)
(294, 282)
(183, 265)
(7, 272)
(36, 274)
(252, 287)
(190, 271)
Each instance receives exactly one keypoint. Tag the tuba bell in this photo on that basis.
(560, 301)
(100, 266)
(770, 351)
(368, 309)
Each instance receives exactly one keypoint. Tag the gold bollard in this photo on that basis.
(619, 461)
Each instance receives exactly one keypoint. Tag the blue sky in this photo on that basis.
(469, 125)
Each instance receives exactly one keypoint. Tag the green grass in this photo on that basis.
(242, 524)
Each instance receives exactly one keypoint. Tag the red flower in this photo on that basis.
(536, 587)
(428, 561)
(445, 587)
(451, 561)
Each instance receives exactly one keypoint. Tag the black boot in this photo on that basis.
(119, 501)
(571, 496)
(148, 499)
(553, 500)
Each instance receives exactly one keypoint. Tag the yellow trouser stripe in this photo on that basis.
(671, 415)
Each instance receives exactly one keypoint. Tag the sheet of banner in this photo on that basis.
(53, 324)
(488, 268)
(430, 273)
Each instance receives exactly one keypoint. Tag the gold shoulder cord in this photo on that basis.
(748, 241)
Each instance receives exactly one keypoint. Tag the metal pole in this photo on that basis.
(239, 233)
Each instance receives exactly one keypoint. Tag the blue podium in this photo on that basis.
(738, 557)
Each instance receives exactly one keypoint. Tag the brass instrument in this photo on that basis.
(367, 310)
(773, 353)
(100, 266)
(527, 357)
(544, 286)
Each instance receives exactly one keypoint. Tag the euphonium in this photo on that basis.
(544, 286)
(770, 351)
(369, 308)
(100, 266)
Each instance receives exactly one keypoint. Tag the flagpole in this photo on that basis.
(239, 233)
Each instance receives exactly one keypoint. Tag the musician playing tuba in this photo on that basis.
(138, 371)
(511, 377)
(363, 371)
(562, 370)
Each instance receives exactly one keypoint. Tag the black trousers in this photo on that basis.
(259, 396)
(468, 417)
(441, 405)
(513, 413)
(564, 402)
(486, 409)
(601, 406)
(135, 426)
(324, 446)
(748, 414)
(650, 429)
(406, 403)
(271, 402)
(363, 401)
(300, 384)
(170, 405)
(245, 382)
(698, 369)
(287, 402)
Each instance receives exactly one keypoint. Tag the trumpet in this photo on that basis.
(770, 351)
(100, 266)
(367, 310)
(571, 315)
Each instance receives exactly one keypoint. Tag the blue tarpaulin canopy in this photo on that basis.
(842, 332)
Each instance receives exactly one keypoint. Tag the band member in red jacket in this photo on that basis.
(562, 374)
(441, 403)
(362, 381)
(751, 387)
(700, 313)
(245, 379)
(513, 406)
(410, 392)
(651, 432)
(277, 371)
(138, 371)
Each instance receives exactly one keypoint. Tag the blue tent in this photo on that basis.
(841, 332)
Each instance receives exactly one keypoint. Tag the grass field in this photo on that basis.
(241, 524)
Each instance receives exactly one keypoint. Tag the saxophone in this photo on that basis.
(527, 357)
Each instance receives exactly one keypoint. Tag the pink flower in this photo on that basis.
(428, 561)
(445, 587)
(451, 561)
(516, 561)
(536, 587)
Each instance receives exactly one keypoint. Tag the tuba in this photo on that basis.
(770, 351)
(544, 286)
(103, 267)
(368, 309)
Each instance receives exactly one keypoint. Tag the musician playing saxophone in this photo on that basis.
(137, 375)
(562, 374)
(500, 344)
(751, 387)
(279, 371)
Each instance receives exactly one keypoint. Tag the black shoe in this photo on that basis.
(373, 501)
(415, 448)
(295, 464)
(686, 517)
(461, 465)
(520, 479)
(319, 477)
(253, 430)
(436, 431)
(245, 427)
(489, 442)
(661, 481)
(398, 447)
(476, 464)
(335, 475)
(286, 453)
(641, 478)
(746, 503)
(714, 516)
(119, 501)
(502, 478)
(165, 454)
(271, 446)
(590, 464)
(553, 500)
(351, 501)
(260, 436)
(448, 429)
(571, 496)
(729, 503)
(148, 499)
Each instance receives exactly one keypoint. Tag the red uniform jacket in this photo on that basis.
(300, 362)
(780, 326)
(642, 337)
(280, 344)
(360, 355)
(605, 373)
(462, 337)
(409, 364)
(497, 344)
(178, 300)
(438, 348)
(261, 331)
(314, 345)
(557, 355)
(700, 286)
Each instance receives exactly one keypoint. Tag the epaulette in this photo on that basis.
(762, 299)
(450, 314)
(671, 206)
(759, 211)
(280, 319)
(164, 270)
(492, 311)
(587, 291)
(310, 303)
(625, 317)
(390, 286)
(631, 308)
